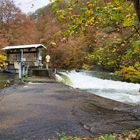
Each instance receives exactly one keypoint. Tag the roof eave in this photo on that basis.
(24, 47)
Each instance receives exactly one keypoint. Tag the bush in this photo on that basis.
(2, 62)
(130, 74)
(107, 137)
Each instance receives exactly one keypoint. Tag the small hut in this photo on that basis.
(21, 57)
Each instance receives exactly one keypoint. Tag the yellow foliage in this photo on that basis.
(90, 12)
(2, 58)
(2, 61)
(130, 73)
(86, 67)
(120, 8)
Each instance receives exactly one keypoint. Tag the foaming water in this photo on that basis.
(116, 90)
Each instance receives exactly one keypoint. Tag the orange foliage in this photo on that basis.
(15, 27)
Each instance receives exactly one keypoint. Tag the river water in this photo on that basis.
(102, 84)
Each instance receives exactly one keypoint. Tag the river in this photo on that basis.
(102, 84)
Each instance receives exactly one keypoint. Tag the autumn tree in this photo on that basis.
(115, 28)
(66, 52)
(15, 27)
(8, 12)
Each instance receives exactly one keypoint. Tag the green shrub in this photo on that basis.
(107, 137)
(130, 74)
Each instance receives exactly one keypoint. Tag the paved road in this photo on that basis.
(39, 111)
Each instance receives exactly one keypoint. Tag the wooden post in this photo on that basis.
(47, 65)
(7, 54)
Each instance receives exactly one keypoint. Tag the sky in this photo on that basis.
(30, 5)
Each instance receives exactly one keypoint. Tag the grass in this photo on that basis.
(126, 135)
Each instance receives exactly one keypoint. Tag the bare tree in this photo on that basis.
(8, 11)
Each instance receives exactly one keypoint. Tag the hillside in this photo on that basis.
(110, 43)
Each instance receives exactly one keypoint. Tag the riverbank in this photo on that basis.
(42, 110)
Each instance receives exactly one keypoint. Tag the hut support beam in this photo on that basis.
(20, 65)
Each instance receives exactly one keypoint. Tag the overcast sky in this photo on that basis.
(30, 5)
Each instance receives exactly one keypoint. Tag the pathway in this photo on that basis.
(38, 111)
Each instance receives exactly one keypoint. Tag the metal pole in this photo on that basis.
(47, 65)
(20, 71)
(20, 65)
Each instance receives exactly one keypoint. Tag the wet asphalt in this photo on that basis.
(39, 111)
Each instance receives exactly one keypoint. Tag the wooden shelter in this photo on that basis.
(23, 56)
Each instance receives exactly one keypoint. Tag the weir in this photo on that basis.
(116, 90)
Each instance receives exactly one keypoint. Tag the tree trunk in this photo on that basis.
(137, 7)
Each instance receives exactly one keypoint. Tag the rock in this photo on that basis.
(86, 127)
(92, 129)
(132, 136)
(21, 83)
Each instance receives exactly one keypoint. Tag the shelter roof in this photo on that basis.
(24, 47)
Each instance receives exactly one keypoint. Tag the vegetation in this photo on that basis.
(130, 74)
(114, 28)
(2, 62)
(79, 34)
(24, 77)
(127, 135)
(15, 27)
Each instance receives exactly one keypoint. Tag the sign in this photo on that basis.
(47, 61)
(48, 58)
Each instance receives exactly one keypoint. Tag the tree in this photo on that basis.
(80, 14)
(137, 7)
(15, 27)
(115, 27)
(8, 11)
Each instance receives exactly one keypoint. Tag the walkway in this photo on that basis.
(38, 111)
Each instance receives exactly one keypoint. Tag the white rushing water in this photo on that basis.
(116, 90)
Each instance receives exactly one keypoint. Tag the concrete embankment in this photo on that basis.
(41, 110)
